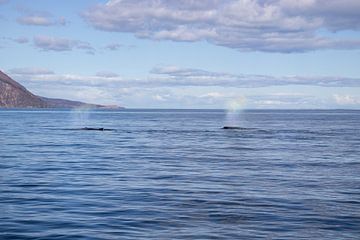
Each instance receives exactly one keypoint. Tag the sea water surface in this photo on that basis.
(175, 174)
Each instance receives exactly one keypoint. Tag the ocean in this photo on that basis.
(176, 174)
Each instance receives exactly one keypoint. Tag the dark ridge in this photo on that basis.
(14, 95)
(62, 103)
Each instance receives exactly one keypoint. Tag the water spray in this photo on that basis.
(233, 112)
(80, 116)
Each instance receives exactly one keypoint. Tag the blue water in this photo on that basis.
(175, 174)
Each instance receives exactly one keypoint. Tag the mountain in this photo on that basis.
(14, 95)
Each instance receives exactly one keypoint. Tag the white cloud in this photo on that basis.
(273, 26)
(176, 76)
(183, 77)
(346, 99)
(212, 95)
(157, 91)
(31, 71)
(48, 43)
(158, 97)
(54, 44)
(107, 74)
(117, 46)
(284, 100)
(35, 20)
(38, 18)
(94, 95)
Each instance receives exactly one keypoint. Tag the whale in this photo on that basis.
(233, 127)
(95, 129)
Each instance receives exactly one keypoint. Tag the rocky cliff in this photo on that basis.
(14, 95)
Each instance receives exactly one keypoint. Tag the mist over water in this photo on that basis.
(80, 117)
(234, 110)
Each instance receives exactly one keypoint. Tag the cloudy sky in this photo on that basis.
(186, 53)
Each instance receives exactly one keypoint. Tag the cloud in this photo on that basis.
(171, 76)
(346, 99)
(212, 95)
(335, 15)
(230, 101)
(38, 18)
(173, 87)
(94, 95)
(176, 76)
(159, 97)
(284, 100)
(107, 74)
(113, 46)
(31, 71)
(54, 44)
(21, 40)
(117, 46)
(62, 21)
(248, 25)
(35, 20)
(101, 79)
(48, 43)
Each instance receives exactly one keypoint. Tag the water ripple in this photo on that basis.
(177, 175)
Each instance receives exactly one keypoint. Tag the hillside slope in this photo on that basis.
(14, 95)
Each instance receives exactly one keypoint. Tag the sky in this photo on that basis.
(274, 54)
